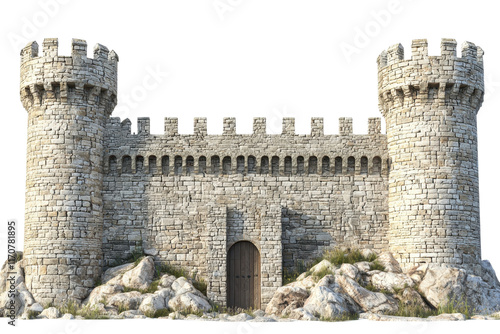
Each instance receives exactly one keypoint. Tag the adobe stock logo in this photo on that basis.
(363, 35)
(45, 15)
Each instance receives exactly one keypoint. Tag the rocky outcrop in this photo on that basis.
(286, 299)
(189, 302)
(127, 300)
(389, 281)
(389, 262)
(369, 301)
(441, 284)
(50, 313)
(141, 276)
(117, 271)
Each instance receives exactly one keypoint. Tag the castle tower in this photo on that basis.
(68, 100)
(430, 105)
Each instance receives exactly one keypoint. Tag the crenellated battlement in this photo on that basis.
(119, 128)
(47, 76)
(456, 80)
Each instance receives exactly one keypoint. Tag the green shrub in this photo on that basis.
(375, 265)
(158, 313)
(71, 307)
(89, 312)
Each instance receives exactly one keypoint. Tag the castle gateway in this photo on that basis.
(239, 209)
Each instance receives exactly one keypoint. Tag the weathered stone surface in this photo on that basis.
(323, 266)
(68, 316)
(441, 284)
(36, 308)
(389, 262)
(411, 297)
(302, 314)
(390, 281)
(141, 276)
(189, 301)
(306, 283)
(50, 313)
(481, 296)
(326, 303)
(367, 252)
(286, 299)
(323, 201)
(132, 314)
(128, 300)
(489, 275)
(116, 271)
(363, 266)
(166, 281)
(369, 301)
(152, 303)
(103, 293)
(349, 270)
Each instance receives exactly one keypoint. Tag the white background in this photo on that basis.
(245, 59)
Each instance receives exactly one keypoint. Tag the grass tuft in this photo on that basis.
(454, 305)
(71, 307)
(342, 317)
(158, 313)
(375, 265)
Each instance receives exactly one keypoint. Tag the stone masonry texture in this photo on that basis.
(96, 192)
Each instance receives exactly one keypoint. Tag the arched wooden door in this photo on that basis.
(243, 276)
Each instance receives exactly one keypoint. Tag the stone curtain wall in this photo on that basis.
(68, 99)
(189, 214)
(430, 105)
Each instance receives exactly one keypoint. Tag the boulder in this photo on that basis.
(189, 301)
(5, 304)
(131, 314)
(36, 308)
(128, 300)
(302, 314)
(369, 301)
(366, 252)
(50, 313)
(323, 266)
(22, 299)
(363, 266)
(442, 284)
(488, 274)
(24, 295)
(165, 293)
(103, 293)
(349, 270)
(5, 272)
(389, 262)
(117, 271)
(141, 276)
(390, 281)
(411, 297)
(285, 299)
(306, 283)
(68, 316)
(152, 303)
(326, 303)
(166, 281)
(481, 296)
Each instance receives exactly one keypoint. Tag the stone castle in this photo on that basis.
(95, 192)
